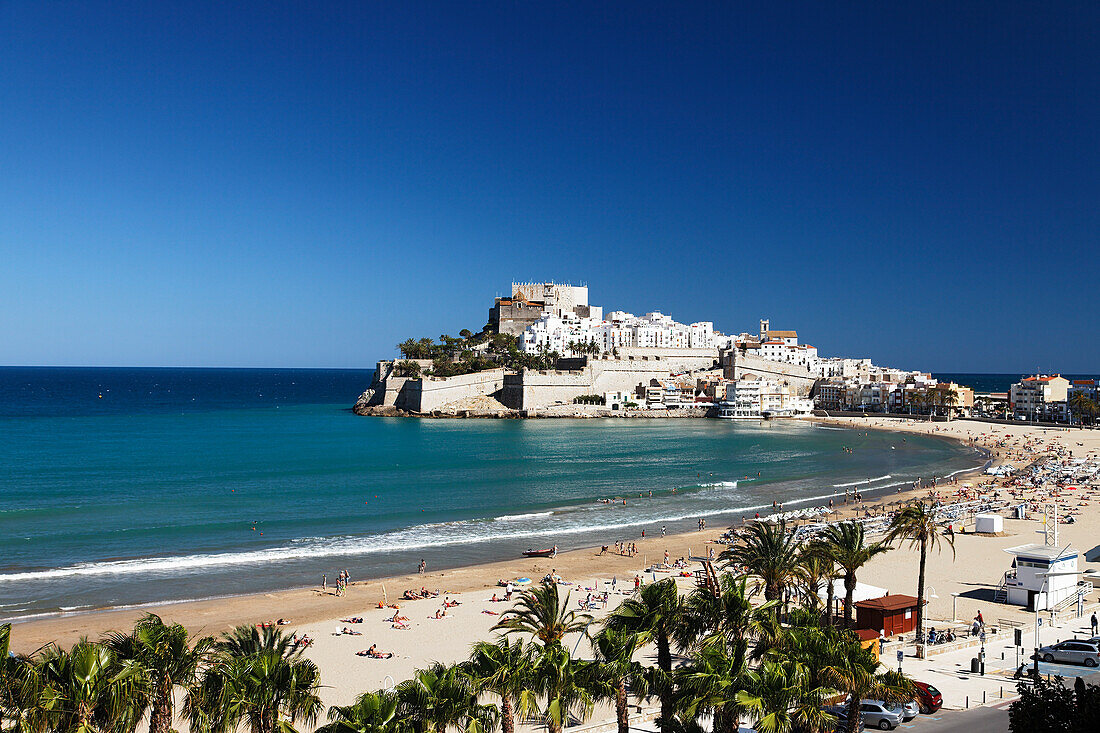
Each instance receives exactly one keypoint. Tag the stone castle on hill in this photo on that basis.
(619, 360)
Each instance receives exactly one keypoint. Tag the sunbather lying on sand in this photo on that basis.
(374, 653)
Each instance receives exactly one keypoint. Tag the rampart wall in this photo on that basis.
(737, 365)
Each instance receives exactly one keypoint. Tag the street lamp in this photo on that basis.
(954, 606)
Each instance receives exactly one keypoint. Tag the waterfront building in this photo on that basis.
(1039, 397)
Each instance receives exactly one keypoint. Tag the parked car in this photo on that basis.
(928, 697)
(841, 713)
(1071, 652)
(878, 714)
(909, 710)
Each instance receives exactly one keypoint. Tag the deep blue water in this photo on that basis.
(985, 383)
(184, 483)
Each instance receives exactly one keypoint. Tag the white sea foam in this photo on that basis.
(864, 481)
(419, 537)
(524, 517)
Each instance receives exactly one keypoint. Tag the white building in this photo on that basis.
(1042, 576)
(1041, 396)
(655, 330)
(759, 398)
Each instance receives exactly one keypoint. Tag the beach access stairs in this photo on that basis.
(1000, 595)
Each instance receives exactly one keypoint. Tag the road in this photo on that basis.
(977, 720)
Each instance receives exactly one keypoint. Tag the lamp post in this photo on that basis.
(954, 606)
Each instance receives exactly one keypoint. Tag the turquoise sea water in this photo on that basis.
(201, 483)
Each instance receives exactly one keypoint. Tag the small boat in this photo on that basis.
(542, 553)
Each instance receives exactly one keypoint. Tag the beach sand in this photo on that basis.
(973, 572)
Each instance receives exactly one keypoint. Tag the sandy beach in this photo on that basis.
(976, 568)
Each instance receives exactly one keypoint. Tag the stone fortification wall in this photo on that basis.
(675, 360)
(432, 393)
(532, 390)
(737, 365)
(429, 393)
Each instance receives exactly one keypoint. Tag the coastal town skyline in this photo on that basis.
(212, 187)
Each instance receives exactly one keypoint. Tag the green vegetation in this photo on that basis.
(1050, 707)
(469, 353)
(1083, 409)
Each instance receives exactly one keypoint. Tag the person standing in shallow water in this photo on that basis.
(324, 581)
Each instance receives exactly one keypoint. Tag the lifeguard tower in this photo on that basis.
(1043, 576)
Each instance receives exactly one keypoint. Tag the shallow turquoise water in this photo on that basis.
(134, 506)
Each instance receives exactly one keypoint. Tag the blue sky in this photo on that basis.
(273, 184)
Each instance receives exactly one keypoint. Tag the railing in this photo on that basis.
(1001, 594)
(1083, 589)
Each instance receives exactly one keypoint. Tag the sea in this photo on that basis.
(124, 487)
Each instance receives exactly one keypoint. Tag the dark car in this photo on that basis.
(841, 713)
(928, 697)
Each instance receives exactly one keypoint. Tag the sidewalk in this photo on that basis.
(950, 672)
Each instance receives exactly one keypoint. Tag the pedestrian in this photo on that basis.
(1094, 624)
(422, 566)
(324, 581)
(662, 530)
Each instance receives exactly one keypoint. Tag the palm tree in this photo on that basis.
(780, 694)
(727, 616)
(654, 613)
(617, 672)
(711, 683)
(372, 712)
(506, 670)
(246, 640)
(1082, 406)
(12, 676)
(541, 612)
(770, 553)
(818, 568)
(440, 697)
(851, 552)
(916, 523)
(258, 678)
(88, 690)
(949, 398)
(852, 669)
(407, 368)
(567, 686)
(169, 660)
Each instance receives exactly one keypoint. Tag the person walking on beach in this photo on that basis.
(423, 565)
(324, 581)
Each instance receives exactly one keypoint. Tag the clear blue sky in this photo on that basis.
(277, 184)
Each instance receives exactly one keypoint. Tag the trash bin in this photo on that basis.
(975, 665)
